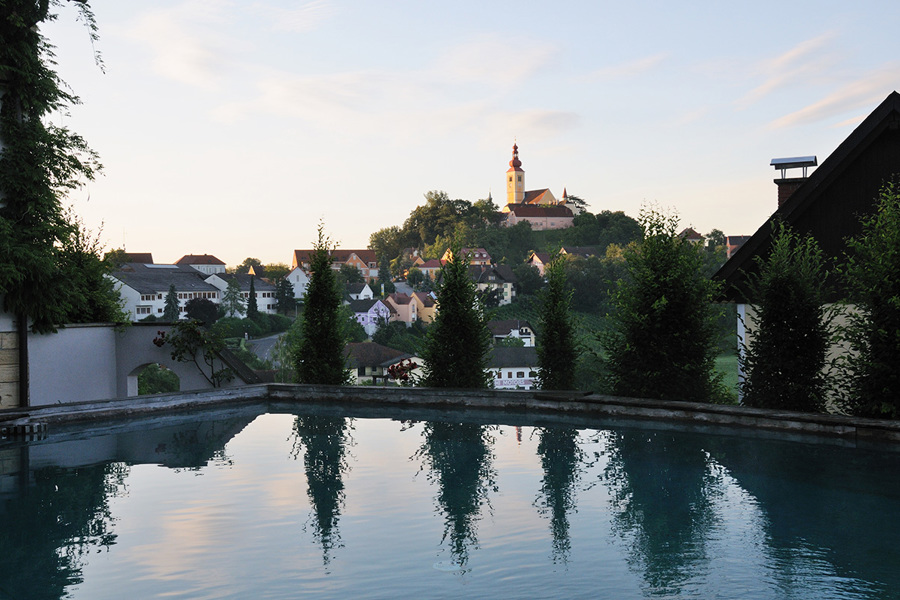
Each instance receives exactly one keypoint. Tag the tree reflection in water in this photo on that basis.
(661, 484)
(459, 458)
(324, 441)
(561, 460)
(54, 521)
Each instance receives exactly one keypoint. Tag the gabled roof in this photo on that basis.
(399, 298)
(829, 203)
(512, 357)
(370, 354)
(425, 298)
(243, 279)
(540, 210)
(582, 251)
(543, 257)
(690, 234)
(338, 256)
(156, 279)
(491, 274)
(199, 259)
(356, 288)
(506, 326)
(535, 196)
(364, 306)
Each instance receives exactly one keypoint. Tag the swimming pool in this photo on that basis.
(306, 501)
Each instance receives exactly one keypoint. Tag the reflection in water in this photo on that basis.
(661, 485)
(561, 457)
(58, 517)
(324, 440)
(460, 460)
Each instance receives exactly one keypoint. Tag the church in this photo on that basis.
(540, 208)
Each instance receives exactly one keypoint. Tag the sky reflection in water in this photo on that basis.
(249, 505)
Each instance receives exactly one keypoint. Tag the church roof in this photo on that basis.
(536, 196)
(536, 210)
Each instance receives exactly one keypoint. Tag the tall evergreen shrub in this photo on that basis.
(662, 337)
(319, 352)
(784, 363)
(556, 348)
(458, 341)
(872, 275)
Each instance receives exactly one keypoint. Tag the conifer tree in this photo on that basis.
(172, 311)
(284, 296)
(232, 301)
(252, 309)
(662, 343)
(458, 341)
(319, 353)
(556, 348)
(785, 360)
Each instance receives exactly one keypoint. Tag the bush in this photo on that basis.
(662, 337)
(156, 379)
(785, 360)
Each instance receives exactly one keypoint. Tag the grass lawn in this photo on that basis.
(727, 364)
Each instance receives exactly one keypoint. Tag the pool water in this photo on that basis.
(311, 503)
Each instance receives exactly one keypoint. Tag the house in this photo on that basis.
(144, 287)
(205, 263)
(430, 268)
(426, 305)
(477, 256)
(581, 251)
(364, 260)
(691, 235)
(403, 308)
(541, 217)
(370, 313)
(827, 204)
(370, 361)
(539, 260)
(513, 368)
(359, 291)
(299, 281)
(265, 291)
(733, 242)
(495, 277)
(512, 328)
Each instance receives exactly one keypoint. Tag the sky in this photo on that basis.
(236, 128)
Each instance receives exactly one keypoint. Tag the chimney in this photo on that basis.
(788, 185)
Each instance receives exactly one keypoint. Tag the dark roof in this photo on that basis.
(582, 251)
(370, 354)
(338, 255)
(544, 257)
(198, 259)
(830, 202)
(140, 257)
(243, 279)
(425, 298)
(356, 288)
(504, 327)
(362, 306)
(400, 298)
(540, 210)
(512, 357)
(155, 279)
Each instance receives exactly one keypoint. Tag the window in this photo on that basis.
(509, 375)
(520, 374)
(144, 310)
(520, 178)
(510, 178)
(499, 374)
(159, 310)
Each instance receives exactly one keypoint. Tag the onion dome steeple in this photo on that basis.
(515, 179)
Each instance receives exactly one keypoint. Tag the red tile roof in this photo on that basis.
(534, 210)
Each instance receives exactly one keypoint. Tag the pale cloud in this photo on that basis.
(544, 122)
(493, 60)
(806, 62)
(184, 41)
(862, 93)
(629, 69)
(305, 17)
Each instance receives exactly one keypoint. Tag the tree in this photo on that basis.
(384, 277)
(785, 360)
(387, 244)
(172, 311)
(232, 300)
(39, 163)
(415, 277)
(202, 310)
(319, 353)
(349, 274)
(284, 296)
(458, 341)
(244, 267)
(872, 274)
(556, 348)
(252, 309)
(661, 342)
(192, 343)
(528, 279)
(274, 271)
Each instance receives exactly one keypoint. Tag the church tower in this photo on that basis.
(515, 179)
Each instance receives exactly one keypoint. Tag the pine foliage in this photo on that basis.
(556, 347)
(458, 340)
(784, 363)
(319, 354)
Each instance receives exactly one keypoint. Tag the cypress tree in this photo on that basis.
(556, 348)
(319, 353)
(785, 360)
(458, 341)
(172, 311)
(252, 310)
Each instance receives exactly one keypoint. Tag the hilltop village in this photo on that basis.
(388, 288)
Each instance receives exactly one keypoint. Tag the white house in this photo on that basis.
(370, 314)
(513, 368)
(205, 263)
(299, 280)
(359, 291)
(512, 328)
(144, 287)
(265, 291)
